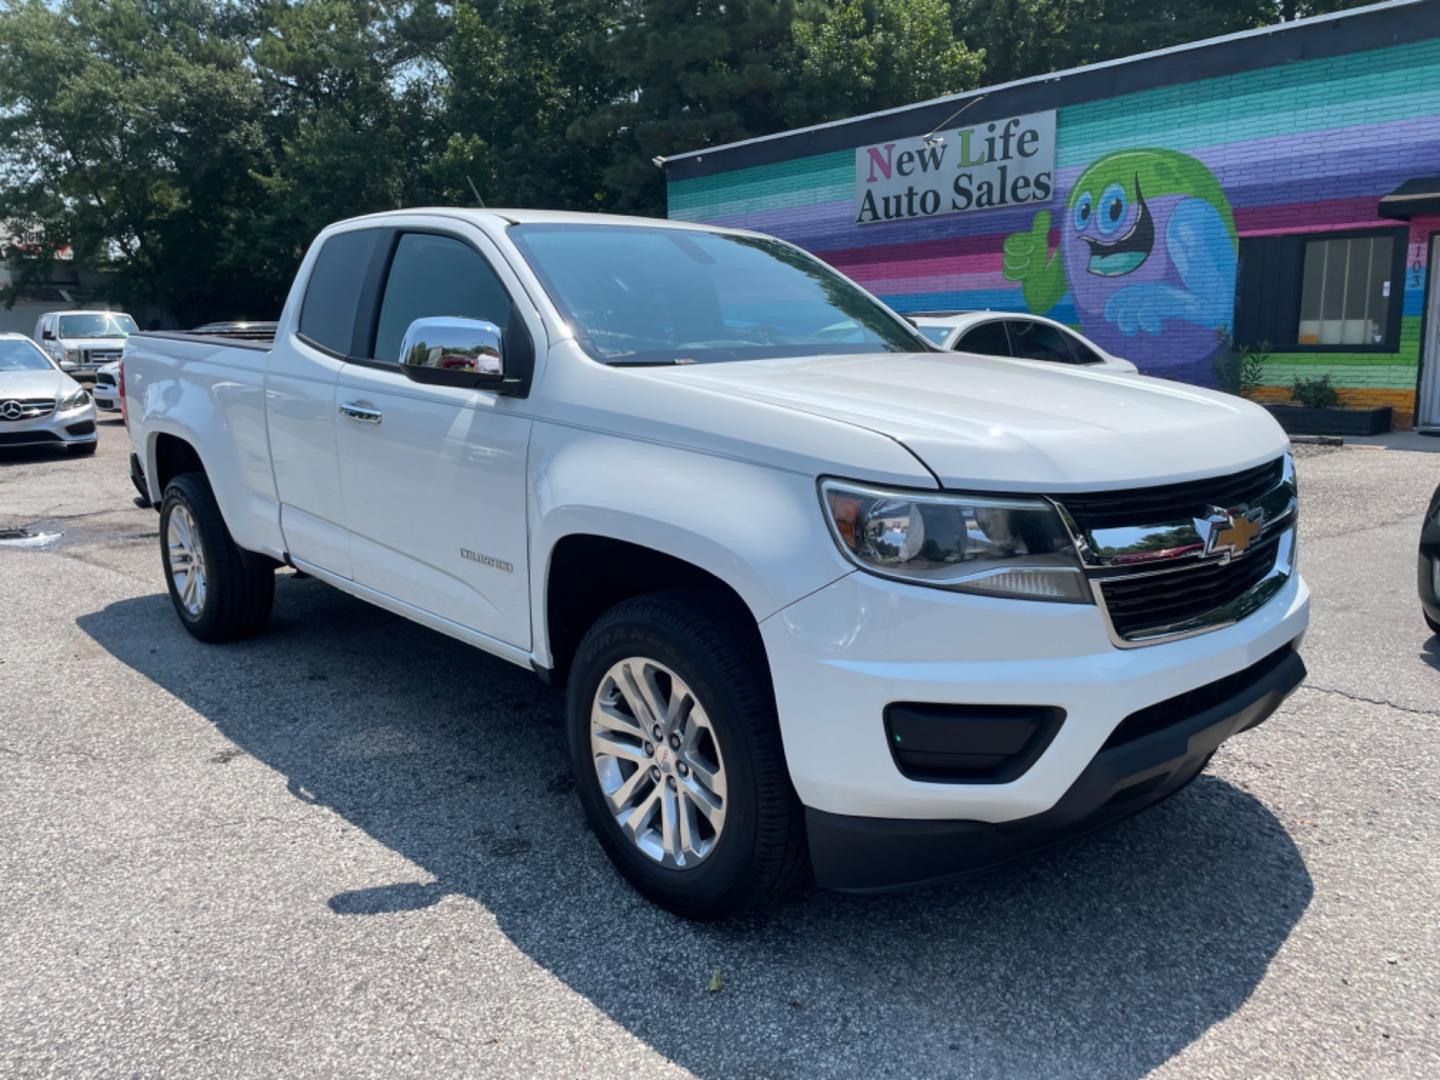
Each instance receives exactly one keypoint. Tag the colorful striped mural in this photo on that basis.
(1302, 147)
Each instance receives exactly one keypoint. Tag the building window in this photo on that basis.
(1345, 291)
(1335, 292)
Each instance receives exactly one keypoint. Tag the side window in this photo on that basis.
(987, 339)
(327, 316)
(437, 275)
(1038, 341)
(1084, 354)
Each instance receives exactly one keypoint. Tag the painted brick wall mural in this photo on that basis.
(1160, 197)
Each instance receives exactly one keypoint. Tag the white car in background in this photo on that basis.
(80, 342)
(1007, 333)
(40, 405)
(106, 390)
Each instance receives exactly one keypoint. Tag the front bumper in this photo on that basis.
(865, 854)
(66, 428)
(842, 654)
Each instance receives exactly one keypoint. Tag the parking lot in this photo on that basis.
(350, 847)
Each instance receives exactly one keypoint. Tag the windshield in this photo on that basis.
(22, 356)
(937, 334)
(637, 295)
(100, 324)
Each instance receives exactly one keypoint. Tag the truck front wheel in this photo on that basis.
(677, 757)
(220, 591)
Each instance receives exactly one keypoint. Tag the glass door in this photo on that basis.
(1427, 408)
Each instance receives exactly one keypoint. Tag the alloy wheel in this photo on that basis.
(658, 762)
(186, 560)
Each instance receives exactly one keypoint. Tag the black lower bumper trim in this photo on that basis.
(861, 854)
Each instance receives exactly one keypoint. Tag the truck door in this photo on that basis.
(300, 400)
(434, 477)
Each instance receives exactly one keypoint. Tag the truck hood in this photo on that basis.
(1014, 425)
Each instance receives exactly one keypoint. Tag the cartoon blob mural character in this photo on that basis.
(1147, 247)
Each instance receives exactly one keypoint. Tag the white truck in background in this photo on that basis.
(866, 610)
(82, 342)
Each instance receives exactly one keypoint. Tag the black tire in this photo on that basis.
(240, 585)
(85, 449)
(1434, 626)
(760, 853)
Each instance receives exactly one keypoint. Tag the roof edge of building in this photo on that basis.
(1393, 22)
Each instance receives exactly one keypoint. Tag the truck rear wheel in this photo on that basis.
(220, 591)
(676, 751)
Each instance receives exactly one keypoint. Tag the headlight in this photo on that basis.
(75, 400)
(969, 543)
(73, 355)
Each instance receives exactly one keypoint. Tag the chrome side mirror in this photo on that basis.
(68, 365)
(450, 351)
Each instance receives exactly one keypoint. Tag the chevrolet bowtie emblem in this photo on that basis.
(1229, 533)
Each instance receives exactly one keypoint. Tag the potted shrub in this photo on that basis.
(1239, 371)
(1317, 411)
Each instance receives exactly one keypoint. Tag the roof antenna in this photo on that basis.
(474, 191)
(929, 138)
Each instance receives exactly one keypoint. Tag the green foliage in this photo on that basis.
(1240, 370)
(1316, 393)
(861, 55)
(690, 73)
(1029, 37)
(129, 129)
(519, 77)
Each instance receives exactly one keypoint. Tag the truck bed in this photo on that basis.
(252, 339)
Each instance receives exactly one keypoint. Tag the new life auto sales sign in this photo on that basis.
(998, 163)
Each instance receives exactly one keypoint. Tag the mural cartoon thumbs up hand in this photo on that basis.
(1028, 261)
(1023, 248)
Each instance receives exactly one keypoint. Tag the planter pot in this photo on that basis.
(1298, 420)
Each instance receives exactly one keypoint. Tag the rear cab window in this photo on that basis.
(332, 295)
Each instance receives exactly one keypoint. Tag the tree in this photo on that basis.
(689, 73)
(696, 73)
(862, 55)
(130, 130)
(519, 75)
(352, 94)
(1033, 37)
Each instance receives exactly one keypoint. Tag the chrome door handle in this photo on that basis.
(360, 412)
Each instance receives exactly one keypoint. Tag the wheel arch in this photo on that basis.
(168, 456)
(588, 573)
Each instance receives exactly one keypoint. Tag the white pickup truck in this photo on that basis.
(863, 610)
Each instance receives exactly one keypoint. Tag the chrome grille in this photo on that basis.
(1168, 561)
(1141, 605)
(101, 356)
(1171, 502)
(14, 409)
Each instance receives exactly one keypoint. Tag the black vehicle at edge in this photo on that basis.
(1428, 561)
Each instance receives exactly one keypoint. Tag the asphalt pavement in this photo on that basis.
(351, 848)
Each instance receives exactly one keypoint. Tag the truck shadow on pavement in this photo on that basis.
(1105, 957)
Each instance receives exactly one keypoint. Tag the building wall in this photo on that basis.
(1309, 146)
